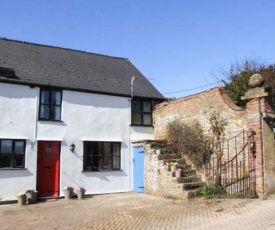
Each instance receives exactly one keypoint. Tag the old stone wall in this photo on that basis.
(158, 180)
(199, 107)
(257, 117)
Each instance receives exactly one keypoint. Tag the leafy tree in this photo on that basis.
(237, 78)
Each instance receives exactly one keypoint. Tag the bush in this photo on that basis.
(237, 78)
(189, 140)
(212, 191)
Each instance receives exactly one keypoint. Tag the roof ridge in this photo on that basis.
(57, 47)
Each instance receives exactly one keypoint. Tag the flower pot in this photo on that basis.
(68, 193)
(158, 151)
(22, 200)
(178, 173)
(173, 167)
(80, 194)
(31, 197)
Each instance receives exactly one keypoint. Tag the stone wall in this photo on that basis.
(158, 181)
(199, 107)
(258, 115)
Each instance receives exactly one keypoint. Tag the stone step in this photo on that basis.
(193, 185)
(179, 161)
(189, 194)
(169, 156)
(185, 166)
(189, 179)
(189, 172)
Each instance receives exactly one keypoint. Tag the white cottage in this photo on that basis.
(68, 118)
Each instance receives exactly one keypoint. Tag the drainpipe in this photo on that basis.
(130, 121)
(36, 117)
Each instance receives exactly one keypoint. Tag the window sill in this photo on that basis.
(111, 170)
(4, 169)
(142, 125)
(50, 120)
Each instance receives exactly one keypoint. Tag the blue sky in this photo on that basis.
(176, 44)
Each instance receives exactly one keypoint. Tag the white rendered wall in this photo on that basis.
(85, 117)
(91, 117)
(18, 116)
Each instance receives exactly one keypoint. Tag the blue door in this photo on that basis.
(138, 162)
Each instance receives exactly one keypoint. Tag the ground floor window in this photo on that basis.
(101, 156)
(12, 153)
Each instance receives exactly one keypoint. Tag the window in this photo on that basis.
(101, 156)
(141, 112)
(12, 153)
(50, 104)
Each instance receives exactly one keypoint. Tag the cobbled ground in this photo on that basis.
(140, 211)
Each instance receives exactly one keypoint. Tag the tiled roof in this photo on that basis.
(42, 65)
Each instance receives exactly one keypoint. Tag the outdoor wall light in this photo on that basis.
(72, 147)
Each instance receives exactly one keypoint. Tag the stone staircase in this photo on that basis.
(184, 177)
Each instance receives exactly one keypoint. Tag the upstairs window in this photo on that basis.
(50, 104)
(101, 156)
(141, 112)
(12, 153)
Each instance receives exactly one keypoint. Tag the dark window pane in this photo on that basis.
(19, 147)
(12, 153)
(44, 112)
(107, 163)
(99, 149)
(142, 112)
(19, 160)
(5, 161)
(136, 106)
(88, 163)
(45, 97)
(116, 163)
(6, 146)
(107, 148)
(50, 105)
(97, 163)
(101, 155)
(146, 106)
(116, 149)
(136, 118)
(57, 113)
(147, 119)
(56, 98)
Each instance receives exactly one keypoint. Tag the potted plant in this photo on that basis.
(68, 192)
(31, 196)
(80, 193)
(178, 172)
(166, 162)
(21, 198)
(158, 150)
(173, 166)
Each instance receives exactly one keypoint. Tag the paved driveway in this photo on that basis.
(140, 211)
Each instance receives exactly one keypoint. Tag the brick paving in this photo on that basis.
(140, 211)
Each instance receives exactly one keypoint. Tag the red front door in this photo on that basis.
(48, 165)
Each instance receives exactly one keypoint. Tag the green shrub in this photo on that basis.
(212, 191)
